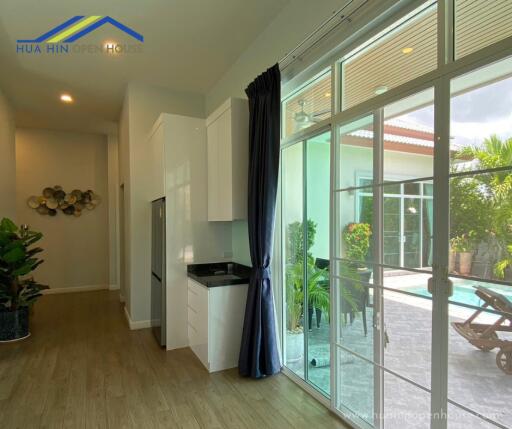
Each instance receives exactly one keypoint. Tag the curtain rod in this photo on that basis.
(321, 31)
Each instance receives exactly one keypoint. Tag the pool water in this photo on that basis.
(464, 292)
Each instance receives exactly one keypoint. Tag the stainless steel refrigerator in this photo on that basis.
(158, 284)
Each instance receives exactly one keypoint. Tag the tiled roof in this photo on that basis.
(366, 134)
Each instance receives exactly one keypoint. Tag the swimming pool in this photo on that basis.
(464, 291)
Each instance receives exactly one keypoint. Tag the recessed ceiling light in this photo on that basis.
(66, 98)
(407, 51)
(381, 89)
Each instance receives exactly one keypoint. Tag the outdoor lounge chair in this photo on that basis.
(484, 336)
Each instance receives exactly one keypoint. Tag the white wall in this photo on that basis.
(397, 166)
(143, 104)
(318, 190)
(124, 201)
(295, 22)
(7, 161)
(75, 248)
(113, 210)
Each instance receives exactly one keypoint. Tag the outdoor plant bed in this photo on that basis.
(18, 292)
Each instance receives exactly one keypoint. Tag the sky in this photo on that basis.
(475, 114)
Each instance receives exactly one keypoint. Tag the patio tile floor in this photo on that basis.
(474, 379)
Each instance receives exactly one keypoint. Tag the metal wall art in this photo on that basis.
(71, 204)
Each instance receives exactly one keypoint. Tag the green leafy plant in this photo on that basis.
(294, 297)
(470, 208)
(318, 289)
(357, 240)
(492, 153)
(318, 292)
(17, 260)
(295, 240)
(501, 266)
(494, 217)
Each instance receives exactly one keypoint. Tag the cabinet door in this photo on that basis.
(220, 170)
(225, 168)
(226, 308)
(198, 321)
(213, 169)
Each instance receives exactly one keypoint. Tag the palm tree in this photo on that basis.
(495, 153)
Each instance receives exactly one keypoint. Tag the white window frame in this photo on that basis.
(439, 79)
(402, 196)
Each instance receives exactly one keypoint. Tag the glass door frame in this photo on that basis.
(402, 197)
(448, 68)
(280, 262)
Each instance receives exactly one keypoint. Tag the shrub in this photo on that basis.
(357, 239)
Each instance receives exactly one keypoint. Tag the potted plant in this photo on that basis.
(356, 237)
(17, 291)
(464, 246)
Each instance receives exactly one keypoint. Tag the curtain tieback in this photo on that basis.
(262, 273)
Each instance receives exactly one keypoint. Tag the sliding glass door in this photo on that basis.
(412, 246)
(355, 299)
(480, 218)
(383, 228)
(305, 184)
(422, 281)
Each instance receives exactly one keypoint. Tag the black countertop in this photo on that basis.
(219, 274)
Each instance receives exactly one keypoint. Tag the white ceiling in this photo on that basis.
(188, 45)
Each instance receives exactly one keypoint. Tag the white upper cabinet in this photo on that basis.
(228, 157)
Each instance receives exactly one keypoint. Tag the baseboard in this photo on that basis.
(139, 324)
(113, 287)
(73, 289)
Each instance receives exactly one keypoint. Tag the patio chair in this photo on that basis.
(358, 300)
(485, 336)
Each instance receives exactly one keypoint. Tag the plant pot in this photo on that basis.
(14, 325)
(294, 347)
(451, 261)
(465, 261)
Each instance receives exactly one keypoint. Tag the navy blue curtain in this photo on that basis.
(259, 354)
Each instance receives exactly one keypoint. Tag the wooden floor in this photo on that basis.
(83, 368)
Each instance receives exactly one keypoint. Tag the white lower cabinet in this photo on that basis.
(215, 323)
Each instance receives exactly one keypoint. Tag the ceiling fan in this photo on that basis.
(303, 119)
